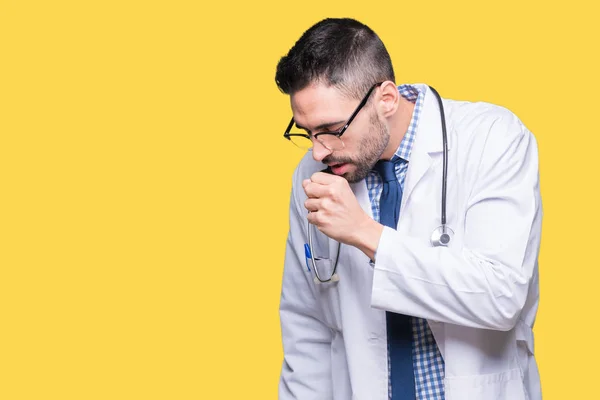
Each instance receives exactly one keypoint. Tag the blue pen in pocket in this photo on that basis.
(307, 254)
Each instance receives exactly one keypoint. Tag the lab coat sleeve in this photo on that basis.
(306, 371)
(483, 283)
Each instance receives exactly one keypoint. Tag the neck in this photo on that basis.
(398, 125)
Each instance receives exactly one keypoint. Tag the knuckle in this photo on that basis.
(335, 195)
(316, 219)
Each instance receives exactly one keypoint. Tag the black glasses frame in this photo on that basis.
(339, 133)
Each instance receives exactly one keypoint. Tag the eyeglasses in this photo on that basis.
(330, 140)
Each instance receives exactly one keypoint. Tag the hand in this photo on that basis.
(335, 211)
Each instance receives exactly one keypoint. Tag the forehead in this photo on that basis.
(320, 104)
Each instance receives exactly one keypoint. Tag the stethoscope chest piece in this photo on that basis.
(442, 236)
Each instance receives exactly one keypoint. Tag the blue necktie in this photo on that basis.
(399, 327)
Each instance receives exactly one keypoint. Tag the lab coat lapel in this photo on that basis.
(428, 140)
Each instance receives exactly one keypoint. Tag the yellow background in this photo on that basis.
(144, 182)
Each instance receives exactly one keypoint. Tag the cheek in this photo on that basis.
(352, 143)
(349, 146)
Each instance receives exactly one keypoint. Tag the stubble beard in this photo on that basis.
(371, 147)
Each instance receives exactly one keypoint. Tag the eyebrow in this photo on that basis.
(322, 126)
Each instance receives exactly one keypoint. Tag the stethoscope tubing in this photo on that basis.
(444, 233)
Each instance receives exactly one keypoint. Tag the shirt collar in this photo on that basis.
(414, 95)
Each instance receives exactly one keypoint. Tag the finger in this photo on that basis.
(317, 190)
(312, 205)
(314, 218)
(311, 217)
(324, 179)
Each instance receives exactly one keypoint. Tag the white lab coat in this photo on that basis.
(479, 295)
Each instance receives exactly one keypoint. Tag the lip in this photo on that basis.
(339, 169)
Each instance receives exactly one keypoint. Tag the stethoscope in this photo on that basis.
(440, 237)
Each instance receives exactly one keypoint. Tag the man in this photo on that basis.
(423, 308)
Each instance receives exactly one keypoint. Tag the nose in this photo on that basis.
(319, 151)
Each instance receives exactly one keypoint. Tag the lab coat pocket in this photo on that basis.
(506, 385)
(328, 294)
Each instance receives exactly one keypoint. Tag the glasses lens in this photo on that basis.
(301, 142)
(331, 142)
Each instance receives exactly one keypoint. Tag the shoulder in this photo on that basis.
(482, 116)
(479, 125)
(488, 138)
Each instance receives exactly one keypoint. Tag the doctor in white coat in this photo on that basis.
(477, 298)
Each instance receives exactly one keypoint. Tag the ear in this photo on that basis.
(388, 99)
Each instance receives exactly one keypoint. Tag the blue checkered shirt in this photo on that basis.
(428, 363)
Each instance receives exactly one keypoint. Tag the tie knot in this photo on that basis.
(387, 170)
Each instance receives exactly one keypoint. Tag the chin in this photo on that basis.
(351, 177)
(356, 175)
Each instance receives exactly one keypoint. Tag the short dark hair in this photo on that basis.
(340, 52)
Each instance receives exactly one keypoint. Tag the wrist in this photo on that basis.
(366, 237)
